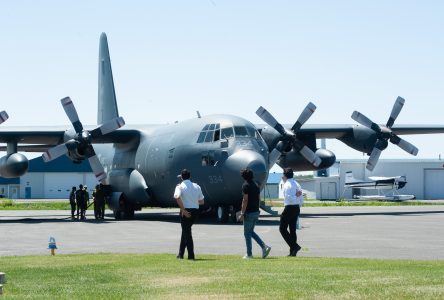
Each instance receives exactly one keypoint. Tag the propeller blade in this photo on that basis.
(54, 152)
(363, 120)
(404, 145)
(97, 168)
(270, 120)
(273, 157)
(399, 103)
(305, 115)
(309, 155)
(3, 116)
(108, 127)
(71, 112)
(373, 159)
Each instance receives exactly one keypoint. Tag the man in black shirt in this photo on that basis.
(250, 213)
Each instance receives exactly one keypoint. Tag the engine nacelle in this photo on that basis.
(133, 186)
(361, 139)
(297, 162)
(13, 165)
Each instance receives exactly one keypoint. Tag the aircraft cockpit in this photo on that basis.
(216, 132)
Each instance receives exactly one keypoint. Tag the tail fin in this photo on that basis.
(107, 103)
(349, 178)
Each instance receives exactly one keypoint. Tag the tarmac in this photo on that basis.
(381, 232)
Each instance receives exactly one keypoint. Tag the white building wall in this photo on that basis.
(53, 185)
(34, 181)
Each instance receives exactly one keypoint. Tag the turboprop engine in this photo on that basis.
(13, 165)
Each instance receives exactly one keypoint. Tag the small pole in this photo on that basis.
(1, 289)
(2, 278)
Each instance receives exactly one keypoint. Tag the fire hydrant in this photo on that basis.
(52, 245)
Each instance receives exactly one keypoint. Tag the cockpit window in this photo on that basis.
(209, 136)
(240, 131)
(209, 133)
(227, 133)
(251, 131)
(201, 137)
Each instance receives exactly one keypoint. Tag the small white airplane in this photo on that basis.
(378, 183)
(375, 182)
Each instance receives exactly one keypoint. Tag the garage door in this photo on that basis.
(58, 185)
(434, 184)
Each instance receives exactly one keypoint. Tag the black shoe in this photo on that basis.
(295, 251)
(179, 256)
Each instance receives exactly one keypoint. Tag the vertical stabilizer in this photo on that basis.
(107, 104)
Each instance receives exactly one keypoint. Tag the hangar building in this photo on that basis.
(52, 180)
(425, 178)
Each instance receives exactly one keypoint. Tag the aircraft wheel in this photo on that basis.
(117, 214)
(129, 214)
(222, 214)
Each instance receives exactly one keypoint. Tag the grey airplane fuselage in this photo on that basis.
(213, 148)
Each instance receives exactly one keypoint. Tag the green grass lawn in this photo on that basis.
(50, 205)
(148, 276)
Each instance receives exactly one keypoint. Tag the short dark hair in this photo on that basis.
(73, 188)
(185, 174)
(288, 172)
(81, 186)
(247, 174)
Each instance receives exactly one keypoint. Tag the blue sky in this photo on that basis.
(171, 58)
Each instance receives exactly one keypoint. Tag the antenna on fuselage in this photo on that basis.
(198, 114)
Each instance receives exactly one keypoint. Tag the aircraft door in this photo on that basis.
(212, 181)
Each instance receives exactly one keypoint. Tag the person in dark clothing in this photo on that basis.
(72, 201)
(96, 202)
(250, 213)
(99, 202)
(81, 203)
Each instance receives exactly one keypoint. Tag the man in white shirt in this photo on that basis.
(293, 200)
(188, 196)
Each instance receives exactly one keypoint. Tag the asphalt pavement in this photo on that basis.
(395, 232)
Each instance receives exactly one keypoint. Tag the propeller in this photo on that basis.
(384, 134)
(289, 136)
(83, 139)
(3, 116)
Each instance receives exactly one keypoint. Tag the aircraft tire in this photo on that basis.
(117, 214)
(222, 214)
(129, 214)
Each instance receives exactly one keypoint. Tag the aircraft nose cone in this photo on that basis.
(245, 159)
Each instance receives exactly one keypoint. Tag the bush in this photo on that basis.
(6, 203)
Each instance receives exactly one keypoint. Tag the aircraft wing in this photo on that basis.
(39, 139)
(334, 131)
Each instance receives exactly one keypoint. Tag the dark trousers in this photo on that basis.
(73, 208)
(79, 204)
(186, 240)
(287, 226)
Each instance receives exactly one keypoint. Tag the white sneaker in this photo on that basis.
(246, 256)
(265, 251)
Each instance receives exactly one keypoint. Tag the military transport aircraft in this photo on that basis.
(140, 163)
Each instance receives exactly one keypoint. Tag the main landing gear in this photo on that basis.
(226, 213)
